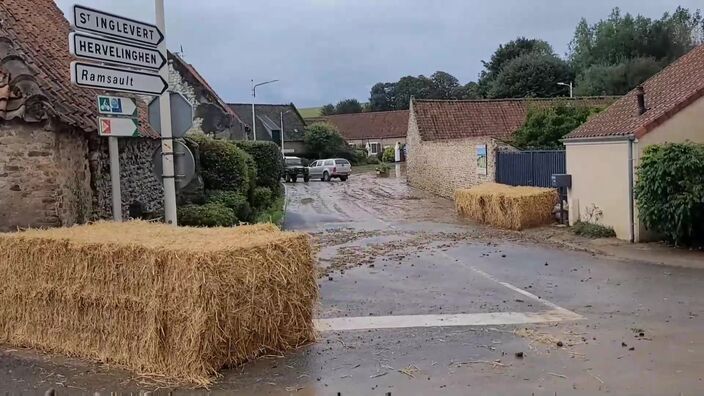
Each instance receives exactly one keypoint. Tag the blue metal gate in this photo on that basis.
(529, 168)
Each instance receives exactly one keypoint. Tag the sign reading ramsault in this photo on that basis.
(114, 79)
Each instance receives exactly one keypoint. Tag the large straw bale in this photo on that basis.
(504, 206)
(176, 302)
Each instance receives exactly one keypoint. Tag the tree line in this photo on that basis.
(609, 57)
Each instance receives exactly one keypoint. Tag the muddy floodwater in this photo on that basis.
(416, 301)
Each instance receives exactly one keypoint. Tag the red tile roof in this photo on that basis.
(38, 34)
(457, 119)
(373, 125)
(202, 81)
(674, 88)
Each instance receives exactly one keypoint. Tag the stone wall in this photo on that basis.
(140, 188)
(44, 177)
(443, 166)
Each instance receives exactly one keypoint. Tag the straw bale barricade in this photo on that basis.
(176, 302)
(508, 207)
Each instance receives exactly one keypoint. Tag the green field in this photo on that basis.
(310, 112)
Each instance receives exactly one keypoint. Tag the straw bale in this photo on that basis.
(176, 302)
(504, 206)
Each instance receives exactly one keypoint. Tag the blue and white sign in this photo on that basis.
(116, 105)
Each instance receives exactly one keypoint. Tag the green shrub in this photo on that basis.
(223, 165)
(268, 159)
(373, 160)
(262, 197)
(380, 156)
(383, 169)
(209, 215)
(360, 156)
(670, 191)
(592, 230)
(274, 213)
(389, 155)
(233, 200)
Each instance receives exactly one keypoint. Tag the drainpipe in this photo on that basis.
(631, 204)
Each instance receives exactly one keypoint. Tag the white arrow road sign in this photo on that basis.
(106, 24)
(116, 105)
(116, 79)
(96, 48)
(118, 127)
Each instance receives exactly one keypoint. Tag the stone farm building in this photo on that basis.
(212, 116)
(54, 169)
(603, 153)
(444, 136)
(269, 124)
(373, 131)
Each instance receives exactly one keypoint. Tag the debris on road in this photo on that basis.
(557, 375)
(519, 355)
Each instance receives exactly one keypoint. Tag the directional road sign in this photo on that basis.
(181, 115)
(106, 24)
(105, 50)
(116, 79)
(116, 105)
(118, 127)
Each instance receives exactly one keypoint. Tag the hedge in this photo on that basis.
(224, 166)
(262, 197)
(670, 191)
(268, 159)
(212, 214)
(233, 200)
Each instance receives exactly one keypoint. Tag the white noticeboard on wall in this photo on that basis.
(481, 159)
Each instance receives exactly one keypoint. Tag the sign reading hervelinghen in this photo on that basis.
(106, 50)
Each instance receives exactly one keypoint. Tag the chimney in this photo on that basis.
(640, 96)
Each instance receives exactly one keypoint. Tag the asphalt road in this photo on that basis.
(417, 301)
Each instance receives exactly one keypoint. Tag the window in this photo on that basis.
(374, 148)
(341, 162)
(329, 163)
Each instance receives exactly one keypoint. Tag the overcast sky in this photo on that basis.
(326, 50)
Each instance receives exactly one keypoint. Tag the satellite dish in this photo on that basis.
(184, 164)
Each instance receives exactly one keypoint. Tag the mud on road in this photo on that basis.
(416, 301)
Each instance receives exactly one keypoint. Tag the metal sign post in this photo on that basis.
(167, 142)
(114, 151)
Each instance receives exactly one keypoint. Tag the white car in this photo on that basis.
(331, 168)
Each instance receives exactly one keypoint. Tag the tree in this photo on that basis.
(512, 50)
(444, 86)
(505, 54)
(469, 91)
(545, 127)
(419, 87)
(382, 97)
(327, 110)
(323, 140)
(616, 79)
(613, 46)
(531, 75)
(347, 106)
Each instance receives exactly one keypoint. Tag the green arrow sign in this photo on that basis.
(118, 127)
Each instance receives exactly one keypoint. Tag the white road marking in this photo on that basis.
(556, 314)
(475, 319)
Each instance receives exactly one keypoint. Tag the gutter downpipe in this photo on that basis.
(631, 195)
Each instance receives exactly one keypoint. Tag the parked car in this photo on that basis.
(331, 168)
(295, 167)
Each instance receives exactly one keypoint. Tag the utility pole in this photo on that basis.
(167, 141)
